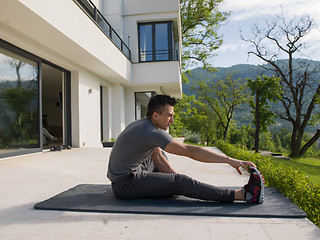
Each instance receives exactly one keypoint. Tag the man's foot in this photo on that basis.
(254, 190)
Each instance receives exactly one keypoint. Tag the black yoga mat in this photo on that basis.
(99, 198)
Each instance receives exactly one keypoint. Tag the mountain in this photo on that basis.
(241, 71)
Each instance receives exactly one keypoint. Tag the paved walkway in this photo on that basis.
(27, 180)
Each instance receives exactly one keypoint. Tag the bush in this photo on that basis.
(192, 137)
(290, 182)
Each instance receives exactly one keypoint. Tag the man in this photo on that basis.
(138, 166)
(46, 135)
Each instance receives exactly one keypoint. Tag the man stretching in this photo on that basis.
(139, 168)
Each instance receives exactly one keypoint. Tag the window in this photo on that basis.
(155, 42)
(142, 100)
(19, 102)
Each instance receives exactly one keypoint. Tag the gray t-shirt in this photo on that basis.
(133, 146)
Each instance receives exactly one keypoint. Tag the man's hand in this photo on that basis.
(238, 163)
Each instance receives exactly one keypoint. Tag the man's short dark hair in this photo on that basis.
(158, 102)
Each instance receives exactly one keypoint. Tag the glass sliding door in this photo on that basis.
(19, 103)
(155, 42)
(145, 36)
(162, 42)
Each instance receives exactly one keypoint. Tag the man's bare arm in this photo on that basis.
(205, 155)
(161, 162)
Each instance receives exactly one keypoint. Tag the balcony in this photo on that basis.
(159, 55)
(91, 10)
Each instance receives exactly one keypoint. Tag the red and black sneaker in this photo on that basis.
(254, 190)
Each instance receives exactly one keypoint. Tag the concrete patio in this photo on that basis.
(26, 180)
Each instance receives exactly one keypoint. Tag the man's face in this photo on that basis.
(163, 120)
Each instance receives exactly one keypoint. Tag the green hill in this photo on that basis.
(241, 71)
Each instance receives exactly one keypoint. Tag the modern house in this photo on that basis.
(83, 69)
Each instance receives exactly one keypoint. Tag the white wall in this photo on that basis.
(133, 7)
(130, 106)
(75, 115)
(112, 11)
(85, 109)
(107, 114)
(89, 109)
(165, 74)
(118, 109)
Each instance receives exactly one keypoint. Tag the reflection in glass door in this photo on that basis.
(141, 102)
(19, 103)
(52, 88)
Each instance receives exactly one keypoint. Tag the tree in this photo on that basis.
(182, 111)
(266, 90)
(267, 142)
(315, 120)
(242, 136)
(203, 121)
(200, 20)
(223, 97)
(194, 116)
(276, 44)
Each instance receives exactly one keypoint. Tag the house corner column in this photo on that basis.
(118, 109)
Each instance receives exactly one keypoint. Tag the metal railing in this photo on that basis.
(103, 24)
(159, 55)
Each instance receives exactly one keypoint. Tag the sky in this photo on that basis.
(28, 69)
(246, 13)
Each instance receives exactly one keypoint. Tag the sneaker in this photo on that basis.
(56, 149)
(254, 190)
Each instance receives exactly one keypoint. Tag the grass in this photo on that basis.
(309, 166)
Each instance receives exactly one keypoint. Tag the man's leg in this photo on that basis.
(149, 166)
(148, 182)
(153, 184)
